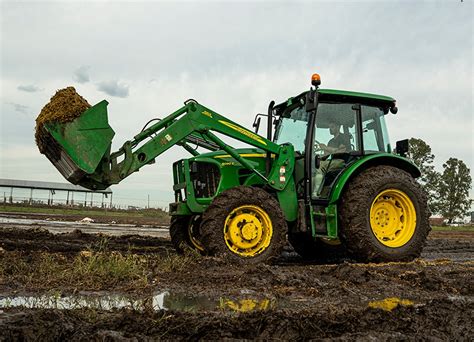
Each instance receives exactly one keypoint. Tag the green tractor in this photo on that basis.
(325, 177)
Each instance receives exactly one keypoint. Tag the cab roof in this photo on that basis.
(336, 95)
(355, 94)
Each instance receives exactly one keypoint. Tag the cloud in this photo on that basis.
(113, 88)
(81, 74)
(30, 88)
(19, 107)
(401, 50)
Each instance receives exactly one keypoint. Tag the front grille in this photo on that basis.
(179, 177)
(205, 178)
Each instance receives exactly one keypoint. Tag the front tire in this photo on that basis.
(184, 233)
(384, 216)
(244, 224)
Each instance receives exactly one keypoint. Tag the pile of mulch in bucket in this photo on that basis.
(64, 106)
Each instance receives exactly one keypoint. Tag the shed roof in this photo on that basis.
(17, 183)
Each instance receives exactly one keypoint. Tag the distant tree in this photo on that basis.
(453, 190)
(420, 153)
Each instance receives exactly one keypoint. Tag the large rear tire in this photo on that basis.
(384, 216)
(244, 224)
(184, 232)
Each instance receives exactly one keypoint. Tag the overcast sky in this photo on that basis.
(146, 58)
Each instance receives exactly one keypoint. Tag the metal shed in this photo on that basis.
(52, 187)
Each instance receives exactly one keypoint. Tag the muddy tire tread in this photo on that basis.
(179, 234)
(356, 201)
(212, 226)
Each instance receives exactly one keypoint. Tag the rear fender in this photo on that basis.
(368, 161)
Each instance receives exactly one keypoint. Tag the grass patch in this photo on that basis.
(91, 270)
(175, 262)
(96, 268)
(114, 267)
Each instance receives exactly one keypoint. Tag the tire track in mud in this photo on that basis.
(457, 247)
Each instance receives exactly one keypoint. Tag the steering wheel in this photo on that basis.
(317, 147)
(323, 155)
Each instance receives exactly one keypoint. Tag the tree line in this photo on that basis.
(447, 190)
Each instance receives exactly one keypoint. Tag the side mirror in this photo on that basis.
(371, 126)
(256, 123)
(402, 147)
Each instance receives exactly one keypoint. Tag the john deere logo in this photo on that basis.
(244, 132)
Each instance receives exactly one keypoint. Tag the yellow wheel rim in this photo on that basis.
(248, 230)
(196, 243)
(393, 218)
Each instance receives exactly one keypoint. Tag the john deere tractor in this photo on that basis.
(325, 177)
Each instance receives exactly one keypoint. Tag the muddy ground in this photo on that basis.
(190, 297)
(99, 217)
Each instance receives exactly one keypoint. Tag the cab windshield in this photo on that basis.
(291, 128)
(335, 122)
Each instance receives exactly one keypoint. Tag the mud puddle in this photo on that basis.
(57, 227)
(392, 319)
(164, 300)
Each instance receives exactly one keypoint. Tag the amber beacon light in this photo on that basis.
(316, 80)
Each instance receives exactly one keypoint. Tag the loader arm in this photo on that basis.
(192, 124)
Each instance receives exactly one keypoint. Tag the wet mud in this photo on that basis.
(441, 319)
(40, 239)
(191, 297)
(152, 219)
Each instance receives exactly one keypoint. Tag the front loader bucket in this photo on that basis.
(76, 148)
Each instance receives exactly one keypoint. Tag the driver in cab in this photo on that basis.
(338, 144)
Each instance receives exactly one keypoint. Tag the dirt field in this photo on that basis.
(154, 218)
(153, 293)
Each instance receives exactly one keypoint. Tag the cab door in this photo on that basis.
(334, 145)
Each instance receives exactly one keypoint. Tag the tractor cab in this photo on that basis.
(342, 127)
